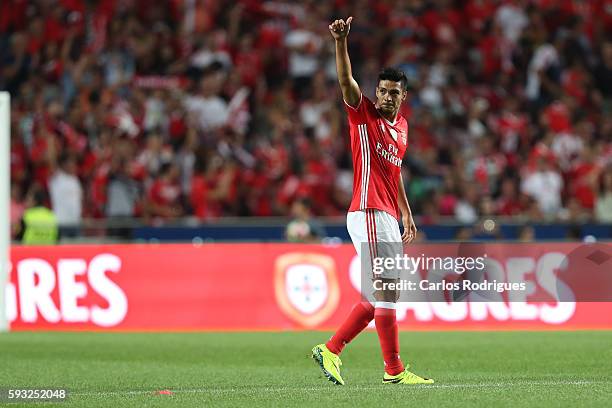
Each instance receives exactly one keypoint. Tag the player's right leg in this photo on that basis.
(329, 362)
(328, 355)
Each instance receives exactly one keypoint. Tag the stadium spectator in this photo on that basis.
(17, 63)
(583, 178)
(603, 77)
(304, 44)
(603, 204)
(573, 233)
(464, 234)
(545, 186)
(39, 225)
(509, 203)
(543, 69)
(512, 18)
(122, 191)
(466, 209)
(447, 200)
(67, 196)
(303, 228)
(207, 110)
(17, 207)
(526, 234)
(164, 196)
(124, 199)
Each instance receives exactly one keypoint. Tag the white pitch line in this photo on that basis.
(280, 389)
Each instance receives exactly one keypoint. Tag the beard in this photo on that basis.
(387, 108)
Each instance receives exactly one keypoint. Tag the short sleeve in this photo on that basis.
(358, 114)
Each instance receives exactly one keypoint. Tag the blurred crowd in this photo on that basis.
(210, 108)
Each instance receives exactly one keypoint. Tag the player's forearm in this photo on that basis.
(402, 199)
(343, 62)
(348, 85)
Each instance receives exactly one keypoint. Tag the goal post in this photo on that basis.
(5, 182)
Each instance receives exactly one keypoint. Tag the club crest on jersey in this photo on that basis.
(393, 132)
(306, 287)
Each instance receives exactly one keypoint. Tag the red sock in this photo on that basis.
(361, 315)
(386, 327)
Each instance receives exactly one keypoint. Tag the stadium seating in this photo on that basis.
(206, 110)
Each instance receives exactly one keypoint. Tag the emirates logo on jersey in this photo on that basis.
(389, 154)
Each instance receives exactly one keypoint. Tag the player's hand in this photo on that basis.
(339, 29)
(410, 229)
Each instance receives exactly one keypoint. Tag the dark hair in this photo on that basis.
(395, 75)
(39, 197)
(165, 168)
(306, 202)
(64, 159)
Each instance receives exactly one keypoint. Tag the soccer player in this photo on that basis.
(378, 142)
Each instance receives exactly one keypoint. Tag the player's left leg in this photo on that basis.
(387, 329)
(389, 245)
(357, 320)
(388, 335)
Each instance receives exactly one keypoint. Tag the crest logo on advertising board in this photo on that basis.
(306, 287)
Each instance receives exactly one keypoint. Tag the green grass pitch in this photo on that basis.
(513, 369)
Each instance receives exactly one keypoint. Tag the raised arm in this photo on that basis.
(350, 89)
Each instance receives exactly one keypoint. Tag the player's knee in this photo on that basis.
(387, 295)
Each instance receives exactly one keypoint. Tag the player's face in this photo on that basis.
(389, 96)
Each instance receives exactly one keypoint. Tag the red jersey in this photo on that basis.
(378, 147)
